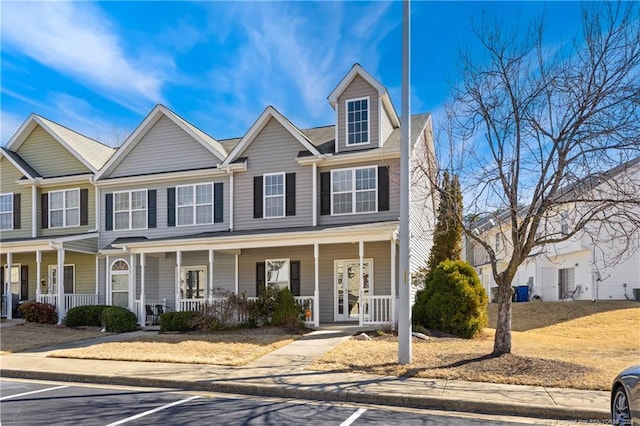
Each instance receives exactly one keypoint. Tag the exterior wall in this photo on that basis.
(38, 150)
(274, 150)
(386, 128)
(8, 177)
(380, 252)
(165, 147)
(394, 197)
(359, 88)
(614, 278)
(162, 230)
(74, 229)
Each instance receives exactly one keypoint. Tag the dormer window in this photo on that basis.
(357, 121)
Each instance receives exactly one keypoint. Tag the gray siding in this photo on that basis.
(422, 208)
(8, 177)
(358, 88)
(40, 148)
(162, 230)
(165, 147)
(274, 150)
(385, 125)
(394, 197)
(89, 245)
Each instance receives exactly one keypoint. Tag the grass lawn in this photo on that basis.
(26, 336)
(580, 345)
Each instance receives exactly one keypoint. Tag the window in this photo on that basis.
(358, 121)
(120, 283)
(64, 208)
(354, 190)
(69, 279)
(130, 210)
(194, 204)
(6, 212)
(192, 282)
(566, 283)
(564, 223)
(274, 195)
(278, 272)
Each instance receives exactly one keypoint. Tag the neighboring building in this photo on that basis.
(587, 266)
(182, 215)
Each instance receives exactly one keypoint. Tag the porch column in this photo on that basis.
(97, 277)
(393, 282)
(237, 282)
(361, 292)
(34, 212)
(210, 282)
(107, 281)
(177, 278)
(60, 278)
(142, 313)
(38, 271)
(132, 282)
(316, 289)
(8, 296)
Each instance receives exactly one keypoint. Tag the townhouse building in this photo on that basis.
(179, 218)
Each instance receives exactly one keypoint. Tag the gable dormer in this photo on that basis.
(365, 116)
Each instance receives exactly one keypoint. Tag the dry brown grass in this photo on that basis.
(585, 348)
(23, 337)
(229, 349)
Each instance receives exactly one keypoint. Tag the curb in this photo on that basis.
(306, 392)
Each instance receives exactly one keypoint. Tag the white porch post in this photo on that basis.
(210, 282)
(132, 282)
(231, 197)
(97, 277)
(314, 193)
(34, 212)
(316, 289)
(142, 315)
(7, 287)
(60, 278)
(107, 281)
(177, 278)
(38, 271)
(361, 291)
(393, 281)
(237, 281)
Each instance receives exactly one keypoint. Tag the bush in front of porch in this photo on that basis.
(85, 316)
(41, 313)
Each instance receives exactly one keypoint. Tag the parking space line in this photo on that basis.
(32, 392)
(155, 410)
(352, 418)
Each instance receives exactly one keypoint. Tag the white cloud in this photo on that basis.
(10, 124)
(76, 39)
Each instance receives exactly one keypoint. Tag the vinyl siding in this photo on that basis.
(89, 245)
(162, 230)
(274, 150)
(48, 232)
(358, 88)
(386, 128)
(394, 197)
(40, 148)
(165, 147)
(8, 177)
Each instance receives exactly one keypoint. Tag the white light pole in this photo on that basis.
(404, 311)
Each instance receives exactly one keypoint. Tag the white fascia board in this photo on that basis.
(21, 134)
(78, 237)
(159, 178)
(26, 246)
(357, 157)
(58, 181)
(17, 166)
(326, 236)
(355, 70)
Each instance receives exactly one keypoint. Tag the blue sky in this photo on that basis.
(99, 68)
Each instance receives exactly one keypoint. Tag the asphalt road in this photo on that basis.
(55, 403)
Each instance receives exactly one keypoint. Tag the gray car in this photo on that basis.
(625, 397)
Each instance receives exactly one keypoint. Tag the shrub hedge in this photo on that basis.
(177, 321)
(117, 319)
(41, 313)
(89, 316)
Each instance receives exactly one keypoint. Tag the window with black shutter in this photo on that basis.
(151, 208)
(171, 207)
(108, 212)
(325, 193)
(218, 203)
(295, 278)
(383, 188)
(291, 194)
(260, 278)
(257, 197)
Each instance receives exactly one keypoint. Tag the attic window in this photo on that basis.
(358, 121)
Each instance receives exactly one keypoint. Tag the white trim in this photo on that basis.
(347, 79)
(64, 208)
(283, 195)
(34, 212)
(130, 209)
(10, 212)
(58, 181)
(194, 205)
(345, 317)
(187, 268)
(51, 268)
(376, 154)
(171, 177)
(231, 204)
(110, 274)
(346, 121)
(354, 191)
(17, 166)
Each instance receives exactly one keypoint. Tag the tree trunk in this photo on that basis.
(502, 342)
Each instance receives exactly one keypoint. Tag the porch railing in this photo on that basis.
(141, 311)
(377, 310)
(69, 300)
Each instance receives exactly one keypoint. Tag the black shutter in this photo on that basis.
(44, 211)
(383, 188)
(151, 208)
(257, 197)
(325, 193)
(24, 282)
(218, 205)
(171, 207)
(295, 277)
(16, 211)
(84, 206)
(68, 279)
(2, 280)
(260, 283)
(108, 212)
(290, 199)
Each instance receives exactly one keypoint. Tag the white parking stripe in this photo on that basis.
(155, 410)
(352, 418)
(32, 392)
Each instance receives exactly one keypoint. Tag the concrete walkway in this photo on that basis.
(283, 373)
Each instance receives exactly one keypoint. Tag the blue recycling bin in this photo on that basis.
(522, 293)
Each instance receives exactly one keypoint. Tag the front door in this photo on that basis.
(347, 286)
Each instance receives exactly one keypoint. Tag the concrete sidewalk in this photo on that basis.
(283, 373)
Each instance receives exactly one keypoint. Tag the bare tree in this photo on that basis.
(541, 133)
